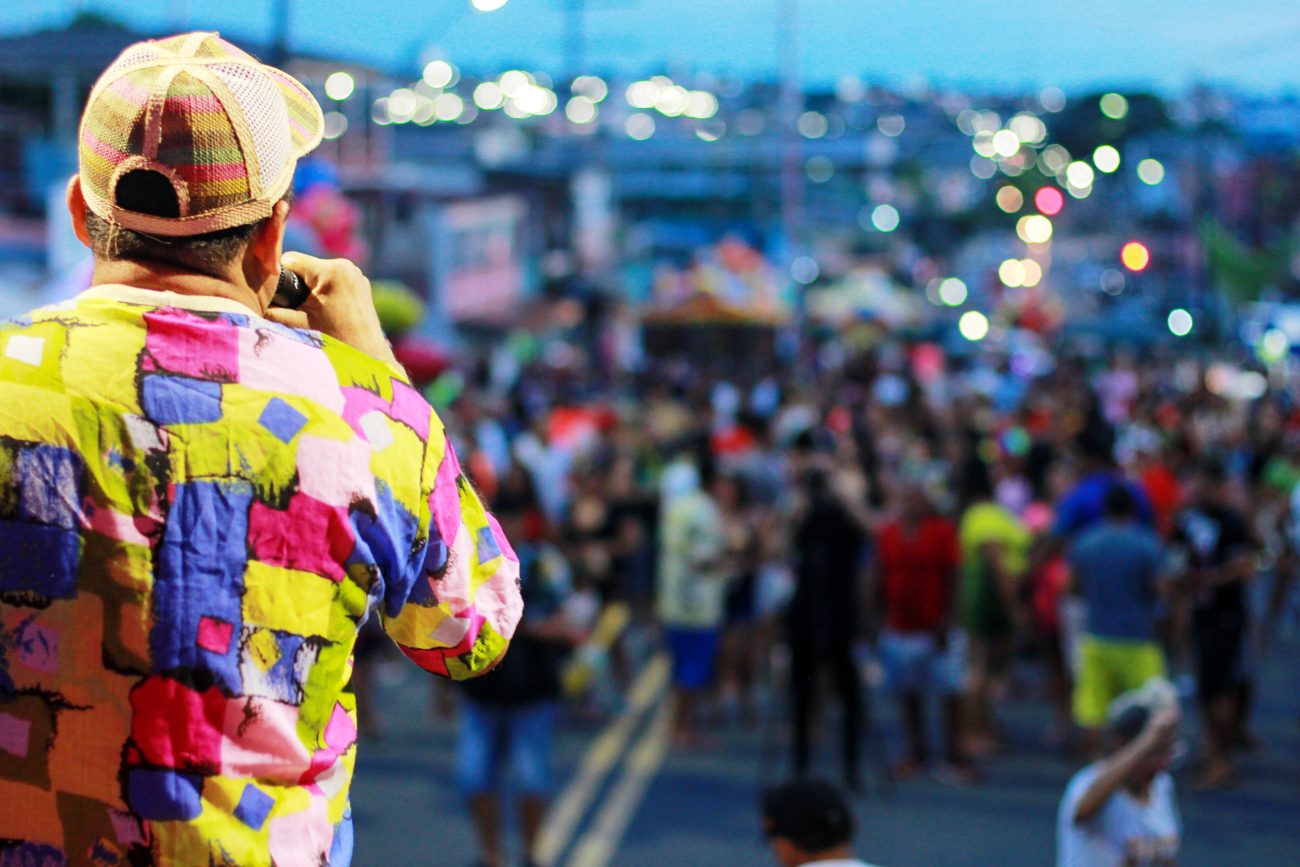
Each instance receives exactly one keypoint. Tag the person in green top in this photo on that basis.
(994, 545)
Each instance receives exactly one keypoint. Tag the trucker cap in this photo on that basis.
(1127, 715)
(222, 129)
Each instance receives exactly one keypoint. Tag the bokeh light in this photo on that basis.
(885, 218)
(973, 325)
(592, 87)
(1010, 199)
(711, 131)
(1274, 346)
(701, 104)
(1113, 281)
(1114, 106)
(1005, 143)
(536, 100)
(1033, 272)
(953, 292)
(1106, 159)
(488, 5)
(1135, 256)
(673, 100)
(1034, 229)
(1053, 160)
(1151, 171)
(448, 107)
(640, 126)
(805, 270)
(1012, 273)
(819, 169)
(580, 110)
(812, 124)
(642, 94)
(1028, 128)
(402, 104)
(340, 85)
(891, 125)
(335, 125)
(1049, 200)
(1079, 175)
(513, 81)
(1180, 322)
(489, 96)
(1052, 99)
(438, 73)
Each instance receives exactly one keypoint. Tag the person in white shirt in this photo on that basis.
(809, 824)
(1122, 811)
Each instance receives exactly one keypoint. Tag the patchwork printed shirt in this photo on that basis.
(198, 508)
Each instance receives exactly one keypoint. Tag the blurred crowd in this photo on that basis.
(952, 529)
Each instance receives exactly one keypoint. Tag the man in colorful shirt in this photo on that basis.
(203, 496)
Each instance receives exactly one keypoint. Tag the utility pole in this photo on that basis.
(180, 15)
(279, 32)
(791, 103)
(575, 27)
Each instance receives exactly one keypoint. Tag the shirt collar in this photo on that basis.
(164, 298)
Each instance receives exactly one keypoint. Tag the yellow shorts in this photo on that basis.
(1109, 667)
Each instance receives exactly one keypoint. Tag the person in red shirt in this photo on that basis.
(918, 558)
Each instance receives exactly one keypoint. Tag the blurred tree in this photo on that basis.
(1242, 272)
(1081, 128)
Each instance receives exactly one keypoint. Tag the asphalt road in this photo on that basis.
(625, 799)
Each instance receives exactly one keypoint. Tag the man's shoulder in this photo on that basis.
(1078, 783)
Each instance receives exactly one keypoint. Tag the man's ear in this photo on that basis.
(77, 209)
(787, 853)
(262, 263)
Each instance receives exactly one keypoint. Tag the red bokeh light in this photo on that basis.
(1049, 201)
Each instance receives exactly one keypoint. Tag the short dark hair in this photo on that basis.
(811, 814)
(1096, 442)
(1213, 470)
(1120, 502)
(1128, 724)
(148, 192)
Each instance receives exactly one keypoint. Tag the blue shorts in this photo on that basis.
(490, 736)
(914, 662)
(695, 654)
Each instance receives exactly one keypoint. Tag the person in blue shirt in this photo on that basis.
(1085, 503)
(1116, 567)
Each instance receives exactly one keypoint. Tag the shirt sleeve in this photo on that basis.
(464, 600)
(1142, 502)
(706, 542)
(1069, 516)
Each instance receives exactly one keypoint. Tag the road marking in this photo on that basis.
(600, 759)
(597, 847)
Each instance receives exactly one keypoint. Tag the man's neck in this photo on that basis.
(164, 278)
(840, 853)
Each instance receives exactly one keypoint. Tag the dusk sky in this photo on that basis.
(1161, 43)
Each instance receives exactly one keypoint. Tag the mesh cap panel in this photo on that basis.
(263, 107)
(226, 131)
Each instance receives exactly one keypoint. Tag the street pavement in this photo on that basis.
(625, 799)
